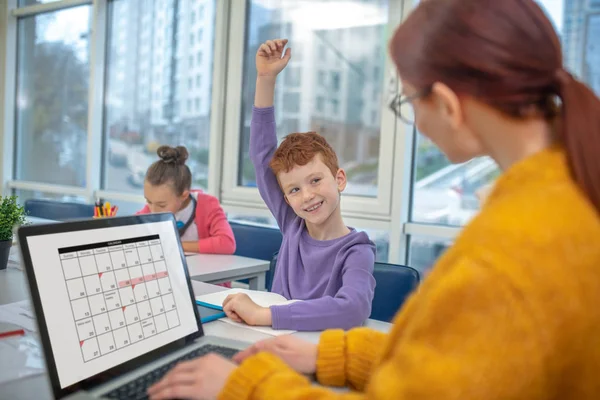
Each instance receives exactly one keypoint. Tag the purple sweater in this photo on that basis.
(334, 277)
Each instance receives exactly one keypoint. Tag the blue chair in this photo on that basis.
(393, 285)
(58, 210)
(271, 272)
(257, 241)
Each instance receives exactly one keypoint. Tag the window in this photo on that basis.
(445, 194)
(198, 80)
(134, 129)
(52, 97)
(192, 38)
(199, 57)
(200, 31)
(322, 79)
(382, 243)
(425, 250)
(335, 106)
(591, 69)
(322, 54)
(193, 17)
(305, 24)
(320, 104)
(291, 77)
(335, 81)
(376, 73)
(289, 125)
(291, 102)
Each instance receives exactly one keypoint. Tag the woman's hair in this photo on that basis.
(507, 54)
(171, 169)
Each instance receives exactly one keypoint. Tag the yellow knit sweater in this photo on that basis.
(511, 311)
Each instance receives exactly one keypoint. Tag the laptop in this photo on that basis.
(114, 304)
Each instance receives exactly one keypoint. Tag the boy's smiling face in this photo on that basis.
(312, 190)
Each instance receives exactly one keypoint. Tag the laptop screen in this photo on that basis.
(110, 294)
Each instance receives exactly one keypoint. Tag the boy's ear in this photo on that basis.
(340, 178)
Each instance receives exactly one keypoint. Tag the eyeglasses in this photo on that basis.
(402, 105)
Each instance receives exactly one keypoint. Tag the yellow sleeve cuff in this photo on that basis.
(244, 380)
(331, 359)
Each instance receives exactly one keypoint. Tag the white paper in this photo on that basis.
(263, 299)
(267, 330)
(19, 313)
(20, 357)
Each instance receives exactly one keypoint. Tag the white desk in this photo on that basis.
(213, 268)
(223, 329)
(13, 287)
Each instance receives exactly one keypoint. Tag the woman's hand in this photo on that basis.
(299, 354)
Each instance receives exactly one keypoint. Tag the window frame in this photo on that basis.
(388, 211)
(379, 207)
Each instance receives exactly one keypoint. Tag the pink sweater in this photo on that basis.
(214, 232)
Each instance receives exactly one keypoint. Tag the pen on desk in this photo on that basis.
(18, 332)
(107, 209)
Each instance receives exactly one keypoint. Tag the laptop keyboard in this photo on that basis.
(137, 389)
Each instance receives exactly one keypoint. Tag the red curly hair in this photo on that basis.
(300, 149)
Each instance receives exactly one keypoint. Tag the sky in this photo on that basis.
(555, 9)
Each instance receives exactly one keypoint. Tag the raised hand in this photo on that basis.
(270, 59)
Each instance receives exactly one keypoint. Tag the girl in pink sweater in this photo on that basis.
(201, 220)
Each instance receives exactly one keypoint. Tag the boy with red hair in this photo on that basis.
(321, 260)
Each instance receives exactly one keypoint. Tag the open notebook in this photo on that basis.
(263, 299)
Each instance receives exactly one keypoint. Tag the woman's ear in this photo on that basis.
(448, 103)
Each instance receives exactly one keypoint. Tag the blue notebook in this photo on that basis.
(209, 312)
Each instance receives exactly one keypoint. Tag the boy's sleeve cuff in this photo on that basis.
(263, 115)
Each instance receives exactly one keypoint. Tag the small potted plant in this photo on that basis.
(11, 215)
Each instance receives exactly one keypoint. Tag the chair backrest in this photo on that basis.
(271, 273)
(393, 285)
(257, 242)
(58, 210)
